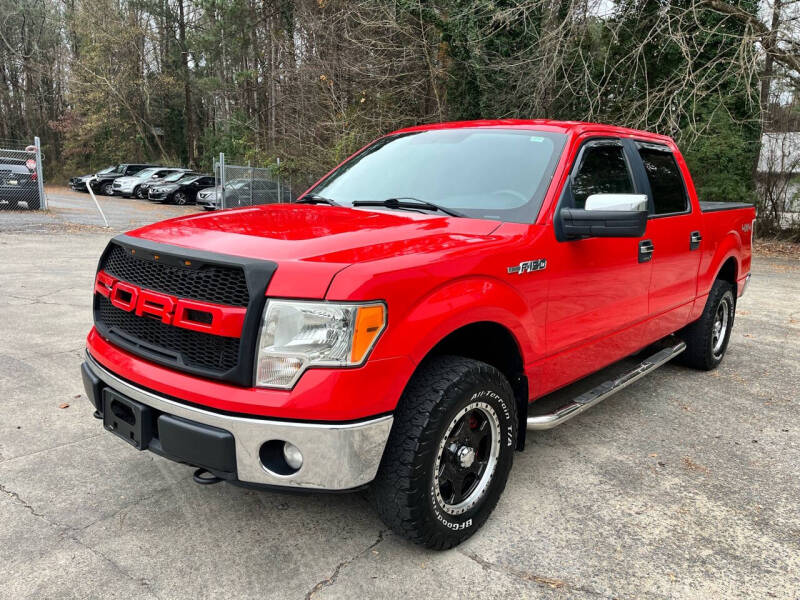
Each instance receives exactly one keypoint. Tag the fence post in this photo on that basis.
(280, 187)
(249, 168)
(40, 173)
(222, 178)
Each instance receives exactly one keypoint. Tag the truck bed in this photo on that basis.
(717, 206)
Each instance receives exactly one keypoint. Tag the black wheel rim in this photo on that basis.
(468, 455)
(180, 198)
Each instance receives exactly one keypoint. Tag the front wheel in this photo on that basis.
(449, 453)
(139, 193)
(107, 189)
(707, 338)
(180, 198)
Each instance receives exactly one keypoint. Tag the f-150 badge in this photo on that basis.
(528, 266)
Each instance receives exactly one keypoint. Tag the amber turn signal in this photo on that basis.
(370, 321)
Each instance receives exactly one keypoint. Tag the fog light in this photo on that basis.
(293, 456)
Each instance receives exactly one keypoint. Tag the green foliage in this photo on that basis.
(722, 161)
(311, 82)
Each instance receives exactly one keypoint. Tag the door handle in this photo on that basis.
(694, 240)
(645, 251)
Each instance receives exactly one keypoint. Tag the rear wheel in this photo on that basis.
(707, 338)
(449, 452)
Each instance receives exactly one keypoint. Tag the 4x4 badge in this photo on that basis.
(528, 266)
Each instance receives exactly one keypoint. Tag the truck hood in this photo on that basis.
(311, 243)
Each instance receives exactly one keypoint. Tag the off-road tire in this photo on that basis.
(403, 491)
(699, 336)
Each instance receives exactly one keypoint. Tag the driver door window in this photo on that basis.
(603, 170)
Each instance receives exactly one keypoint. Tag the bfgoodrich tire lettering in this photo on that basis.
(448, 397)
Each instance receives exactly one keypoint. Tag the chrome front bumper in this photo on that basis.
(335, 457)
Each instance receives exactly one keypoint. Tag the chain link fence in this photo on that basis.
(21, 178)
(236, 185)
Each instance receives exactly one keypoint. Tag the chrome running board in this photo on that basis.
(608, 388)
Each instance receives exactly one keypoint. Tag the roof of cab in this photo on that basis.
(567, 127)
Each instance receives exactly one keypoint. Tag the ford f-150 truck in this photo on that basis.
(391, 327)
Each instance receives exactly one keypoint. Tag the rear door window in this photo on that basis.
(603, 170)
(666, 181)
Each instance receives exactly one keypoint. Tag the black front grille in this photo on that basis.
(151, 337)
(188, 275)
(219, 284)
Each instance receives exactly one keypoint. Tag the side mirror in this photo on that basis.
(623, 202)
(606, 215)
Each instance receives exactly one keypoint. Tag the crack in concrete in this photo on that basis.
(550, 582)
(34, 301)
(335, 575)
(127, 507)
(70, 533)
(15, 496)
(34, 453)
(26, 357)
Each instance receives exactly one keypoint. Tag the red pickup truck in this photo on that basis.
(391, 328)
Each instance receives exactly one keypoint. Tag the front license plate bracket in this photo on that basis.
(130, 420)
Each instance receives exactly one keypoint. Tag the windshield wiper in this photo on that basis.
(414, 204)
(315, 199)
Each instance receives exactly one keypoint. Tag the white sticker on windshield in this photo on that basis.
(536, 138)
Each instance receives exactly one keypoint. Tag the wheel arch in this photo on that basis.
(725, 263)
(496, 345)
(729, 271)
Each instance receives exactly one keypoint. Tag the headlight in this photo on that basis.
(296, 335)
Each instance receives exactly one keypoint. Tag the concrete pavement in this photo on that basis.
(685, 485)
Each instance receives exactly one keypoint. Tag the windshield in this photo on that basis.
(176, 176)
(146, 173)
(498, 174)
(189, 178)
(110, 169)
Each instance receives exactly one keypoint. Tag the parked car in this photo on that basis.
(80, 183)
(183, 191)
(392, 328)
(144, 188)
(245, 192)
(103, 181)
(128, 187)
(207, 198)
(18, 185)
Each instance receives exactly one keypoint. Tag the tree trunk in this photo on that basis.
(187, 87)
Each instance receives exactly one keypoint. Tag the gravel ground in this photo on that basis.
(684, 485)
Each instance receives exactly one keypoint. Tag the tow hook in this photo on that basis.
(200, 477)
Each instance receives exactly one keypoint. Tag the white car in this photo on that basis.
(207, 198)
(130, 186)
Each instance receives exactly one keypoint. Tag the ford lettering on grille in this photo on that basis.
(189, 314)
